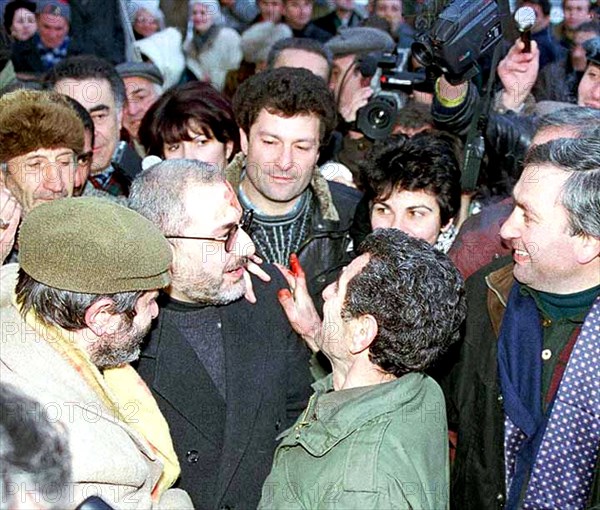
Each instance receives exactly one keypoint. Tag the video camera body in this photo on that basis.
(394, 85)
(462, 33)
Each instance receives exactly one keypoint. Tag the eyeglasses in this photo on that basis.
(230, 237)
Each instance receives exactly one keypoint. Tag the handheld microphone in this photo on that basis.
(525, 19)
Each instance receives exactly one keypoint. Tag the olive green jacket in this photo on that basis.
(383, 446)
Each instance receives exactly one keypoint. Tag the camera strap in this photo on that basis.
(475, 144)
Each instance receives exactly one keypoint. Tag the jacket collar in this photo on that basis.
(499, 282)
(318, 184)
(334, 415)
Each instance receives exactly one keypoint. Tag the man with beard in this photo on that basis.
(228, 375)
(71, 322)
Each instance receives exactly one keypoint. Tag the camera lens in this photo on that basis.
(422, 53)
(376, 119)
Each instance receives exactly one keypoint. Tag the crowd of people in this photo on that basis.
(219, 290)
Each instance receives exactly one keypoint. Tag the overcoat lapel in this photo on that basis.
(245, 358)
(179, 375)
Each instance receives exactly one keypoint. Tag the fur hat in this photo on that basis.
(258, 40)
(152, 6)
(34, 119)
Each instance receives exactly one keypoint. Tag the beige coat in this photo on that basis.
(109, 458)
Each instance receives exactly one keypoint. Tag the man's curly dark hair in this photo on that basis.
(288, 92)
(429, 161)
(415, 294)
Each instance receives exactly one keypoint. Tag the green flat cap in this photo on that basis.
(93, 246)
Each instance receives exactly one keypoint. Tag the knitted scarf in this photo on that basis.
(123, 392)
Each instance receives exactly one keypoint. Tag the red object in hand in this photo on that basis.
(295, 265)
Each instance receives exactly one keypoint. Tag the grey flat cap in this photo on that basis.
(145, 70)
(592, 50)
(357, 40)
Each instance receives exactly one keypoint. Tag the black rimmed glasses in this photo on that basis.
(230, 237)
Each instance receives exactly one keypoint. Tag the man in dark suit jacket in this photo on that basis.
(97, 28)
(343, 16)
(228, 375)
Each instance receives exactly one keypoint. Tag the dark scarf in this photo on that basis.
(530, 442)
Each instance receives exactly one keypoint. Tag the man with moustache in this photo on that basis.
(37, 160)
(73, 313)
(95, 84)
(374, 433)
(143, 86)
(228, 375)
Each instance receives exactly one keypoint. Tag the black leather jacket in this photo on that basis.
(507, 138)
(328, 245)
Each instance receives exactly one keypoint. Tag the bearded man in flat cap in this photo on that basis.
(70, 324)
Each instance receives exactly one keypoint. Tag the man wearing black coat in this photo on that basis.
(343, 16)
(228, 375)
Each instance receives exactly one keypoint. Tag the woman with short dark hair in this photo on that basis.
(191, 121)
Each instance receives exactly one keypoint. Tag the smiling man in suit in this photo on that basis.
(228, 375)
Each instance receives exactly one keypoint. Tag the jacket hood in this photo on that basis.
(164, 49)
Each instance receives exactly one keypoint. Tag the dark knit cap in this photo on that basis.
(145, 70)
(358, 40)
(94, 246)
(12, 7)
(55, 8)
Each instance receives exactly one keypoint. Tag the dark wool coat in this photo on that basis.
(226, 448)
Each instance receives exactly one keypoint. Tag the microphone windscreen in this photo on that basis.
(525, 18)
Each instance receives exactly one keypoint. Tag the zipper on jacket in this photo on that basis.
(303, 421)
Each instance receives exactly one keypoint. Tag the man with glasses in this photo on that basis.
(37, 160)
(228, 375)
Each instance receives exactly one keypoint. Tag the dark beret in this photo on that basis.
(145, 70)
(93, 246)
(358, 40)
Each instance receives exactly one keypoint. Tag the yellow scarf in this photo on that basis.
(124, 393)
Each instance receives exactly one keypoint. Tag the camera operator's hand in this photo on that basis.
(518, 72)
(352, 100)
(448, 94)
